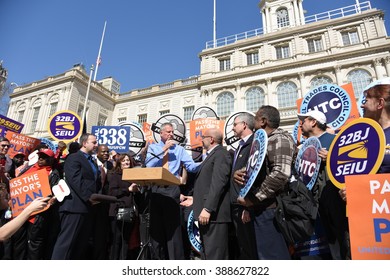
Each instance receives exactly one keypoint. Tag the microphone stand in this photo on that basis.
(147, 250)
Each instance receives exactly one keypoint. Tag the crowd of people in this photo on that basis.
(106, 217)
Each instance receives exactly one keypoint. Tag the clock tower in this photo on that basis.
(279, 14)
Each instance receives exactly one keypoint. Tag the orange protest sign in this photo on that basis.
(26, 188)
(368, 198)
(199, 126)
(21, 143)
(354, 108)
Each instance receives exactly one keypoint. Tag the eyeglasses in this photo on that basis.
(234, 124)
(206, 136)
(5, 145)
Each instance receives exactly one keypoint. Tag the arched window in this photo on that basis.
(225, 103)
(282, 18)
(360, 79)
(320, 80)
(287, 94)
(21, 110)
(36, 107)
(254, 99)
(53, 104)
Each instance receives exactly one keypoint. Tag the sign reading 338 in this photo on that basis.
(115, 137)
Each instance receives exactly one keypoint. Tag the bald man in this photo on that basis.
(211, 197)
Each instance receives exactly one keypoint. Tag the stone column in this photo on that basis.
(303, 84)
(387, 65)
(339, 79)
(377, 66)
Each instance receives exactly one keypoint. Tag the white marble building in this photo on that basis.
(274, 65)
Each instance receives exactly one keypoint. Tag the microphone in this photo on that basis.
(153, 156)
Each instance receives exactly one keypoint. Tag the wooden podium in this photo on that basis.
(150, 176)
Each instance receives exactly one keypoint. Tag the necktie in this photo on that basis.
(93, 165)
(165, 160)
(242, 142)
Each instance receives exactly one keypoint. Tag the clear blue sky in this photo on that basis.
(146, 42)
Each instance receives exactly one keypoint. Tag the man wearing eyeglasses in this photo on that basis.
(262, 197)
(7, 171)
(211, 197)
(6, 167)
(243, 127)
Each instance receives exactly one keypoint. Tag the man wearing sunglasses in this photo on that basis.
(6, 164)
(6, 167)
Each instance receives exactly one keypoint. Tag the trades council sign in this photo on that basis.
(64, 126)
(330, 99)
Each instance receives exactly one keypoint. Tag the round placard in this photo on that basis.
(179, 128)
(256, 159)
(230, 139)
(330, 99)
(64, 126)
(137, 137)
(203, 113)
(308, 162)
(193, 232)
(358, 148)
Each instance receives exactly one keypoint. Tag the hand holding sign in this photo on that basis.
(25, 188)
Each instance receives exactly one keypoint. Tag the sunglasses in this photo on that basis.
(5, 145)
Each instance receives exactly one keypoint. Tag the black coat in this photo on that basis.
(211, 188)
(82, 183)
(119, 189)
(241, 161)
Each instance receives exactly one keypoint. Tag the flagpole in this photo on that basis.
(86, 98)
(215, 23)
(100, 50)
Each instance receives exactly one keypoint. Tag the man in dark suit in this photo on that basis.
(83, 178)
(211, 197)
(242, 217)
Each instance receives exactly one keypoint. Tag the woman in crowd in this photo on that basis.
(124, 191)
(44, 227)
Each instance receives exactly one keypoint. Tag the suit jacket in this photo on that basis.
(211, 187)
(241, 161)
(82, 183)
